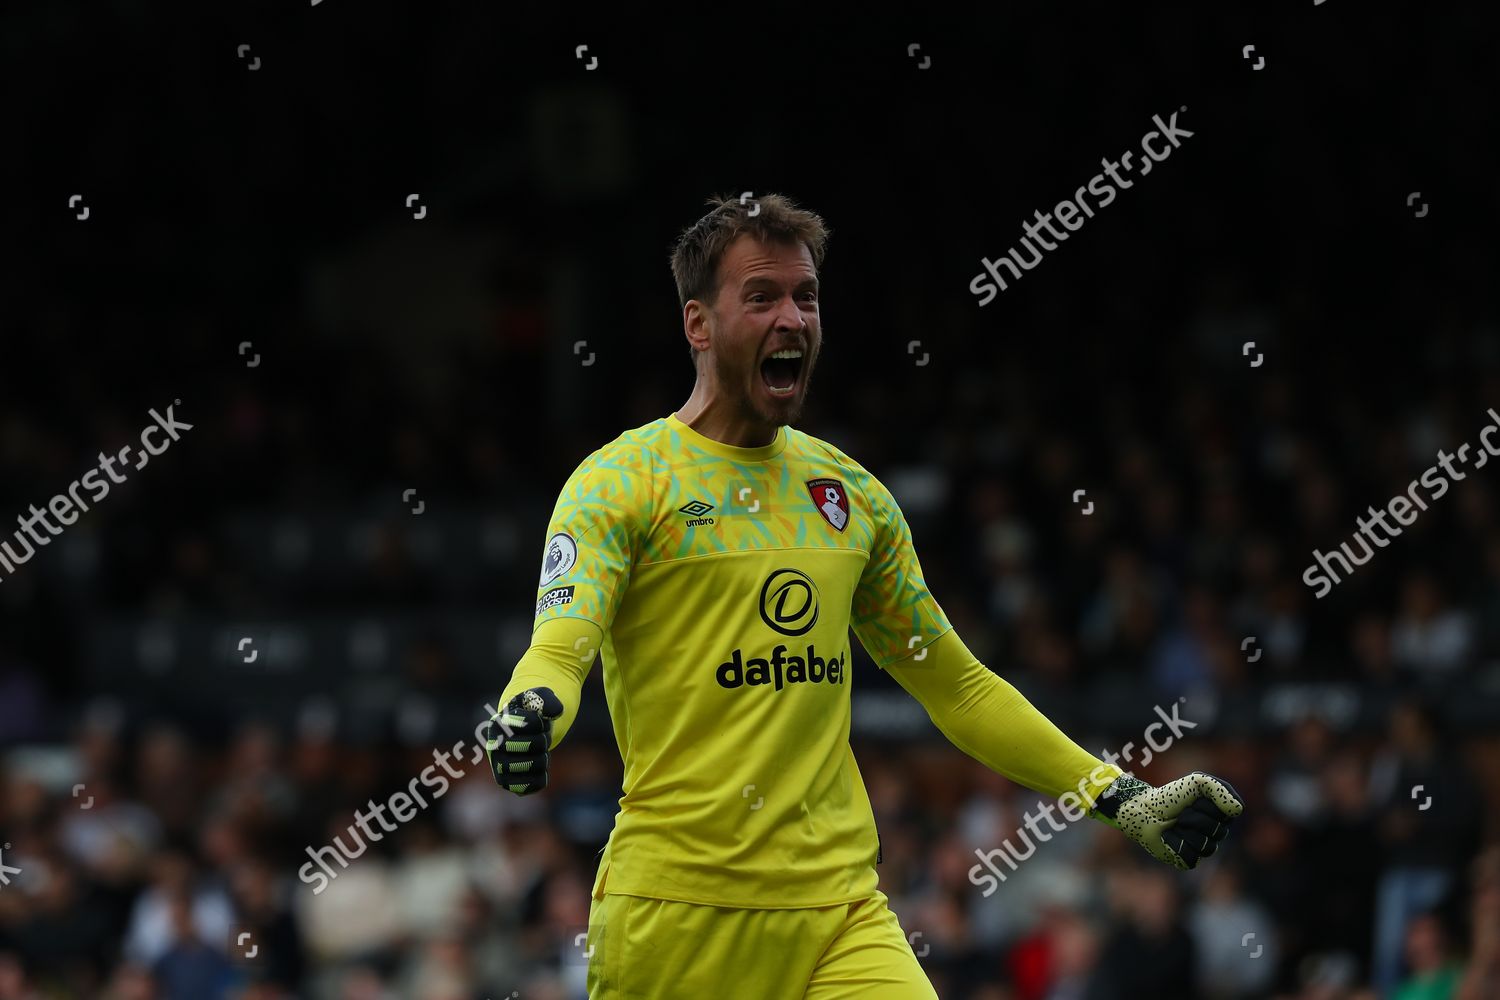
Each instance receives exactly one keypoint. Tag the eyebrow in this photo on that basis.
(762, 281)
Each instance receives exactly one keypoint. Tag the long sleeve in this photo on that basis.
(561, 652)
(592, 540)
(987, 718)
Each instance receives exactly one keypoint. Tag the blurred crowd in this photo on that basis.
(168, 870)
(156, 857)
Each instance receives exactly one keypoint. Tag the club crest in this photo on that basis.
(831, 499)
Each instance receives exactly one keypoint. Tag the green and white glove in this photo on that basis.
(519, 738)
(1180, 823)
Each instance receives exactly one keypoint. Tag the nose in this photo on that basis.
(789, 318)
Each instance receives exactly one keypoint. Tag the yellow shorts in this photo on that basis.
(664, 950)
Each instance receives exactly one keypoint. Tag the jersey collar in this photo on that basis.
(729, 451)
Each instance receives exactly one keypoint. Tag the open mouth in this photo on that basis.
(781, 370)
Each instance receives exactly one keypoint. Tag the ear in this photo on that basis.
(697, 322)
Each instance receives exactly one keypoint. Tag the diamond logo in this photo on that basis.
(695, 508)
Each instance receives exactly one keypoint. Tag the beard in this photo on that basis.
(745, 390)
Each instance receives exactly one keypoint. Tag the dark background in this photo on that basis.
(230, 205)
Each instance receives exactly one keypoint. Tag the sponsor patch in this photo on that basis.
(789, 602)
(554, 597)
(780, 669)
(562, 555)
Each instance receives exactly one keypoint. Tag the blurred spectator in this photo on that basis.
(263, 911)
(131, 982)
(1427, 827)
(61, 931)
(1181, 661)
(357, 916)
(23, 703)
(1430, 639)
(1152, 955)
(191, 968)
(1481, 977)
(1074, 958)
(1228, 926)
(1370, 645)
(14, 984)
(114, 836)
(1434, 974)
(1294, 784)
(1487, 602)
(1123, 615)
(154, 924)
(429, 881)
(1339, 852)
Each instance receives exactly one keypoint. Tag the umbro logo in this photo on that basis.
(695, 510)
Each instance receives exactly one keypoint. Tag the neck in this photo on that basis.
(712, 417)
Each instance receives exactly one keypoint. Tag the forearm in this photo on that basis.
(987, 718)
(561, 652)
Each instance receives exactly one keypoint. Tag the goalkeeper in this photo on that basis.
(716, 559)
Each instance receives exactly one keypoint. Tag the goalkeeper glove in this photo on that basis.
(1179, 823)
(518, 739)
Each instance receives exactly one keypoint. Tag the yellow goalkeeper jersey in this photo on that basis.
(719, 584)
(724, 582)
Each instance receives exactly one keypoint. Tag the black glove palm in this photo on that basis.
(519, 738)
